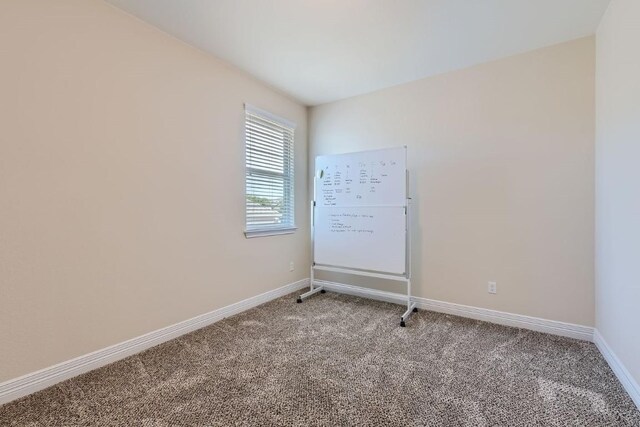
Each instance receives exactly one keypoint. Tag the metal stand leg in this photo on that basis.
(411, 306)
(313, 289)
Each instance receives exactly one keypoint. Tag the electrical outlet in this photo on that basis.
(291, 266)
(492, 288)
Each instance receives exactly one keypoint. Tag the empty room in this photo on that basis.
(319, 213)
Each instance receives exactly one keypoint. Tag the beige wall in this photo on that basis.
(618, 182)
(121, 183)
(501, 158)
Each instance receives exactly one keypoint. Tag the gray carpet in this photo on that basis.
(338, 360)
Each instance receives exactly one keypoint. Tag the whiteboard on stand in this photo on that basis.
(360, 213)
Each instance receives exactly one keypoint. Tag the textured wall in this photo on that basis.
(122, 182)
(618, 182)
(501, 159)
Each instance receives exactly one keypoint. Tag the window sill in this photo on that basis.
(269, 232)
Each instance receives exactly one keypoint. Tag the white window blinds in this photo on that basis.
(269, 174)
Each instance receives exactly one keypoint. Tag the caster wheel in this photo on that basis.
(299, 300)
(415, 309)
(402, 323)
(323, 291)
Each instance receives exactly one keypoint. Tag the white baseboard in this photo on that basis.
(508, 319)
(39, 380)
(624, 376)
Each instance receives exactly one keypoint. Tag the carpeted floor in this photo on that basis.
(337, 360)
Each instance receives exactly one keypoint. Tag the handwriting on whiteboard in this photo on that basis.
(344, 183)
(350, 223)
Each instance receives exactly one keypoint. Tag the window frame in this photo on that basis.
(271, 229)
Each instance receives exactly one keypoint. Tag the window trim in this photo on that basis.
(275, 231)
(267, 230)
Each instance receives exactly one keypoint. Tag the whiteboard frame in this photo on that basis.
(406, 277)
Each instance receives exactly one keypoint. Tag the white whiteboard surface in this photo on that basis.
(367, 238)
(367, 178)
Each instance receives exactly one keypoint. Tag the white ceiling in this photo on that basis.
(323, 50)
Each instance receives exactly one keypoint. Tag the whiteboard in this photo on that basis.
(367, 178)
(361, 237)
(360, 210)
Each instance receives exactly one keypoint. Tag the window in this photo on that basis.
(269, 174)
